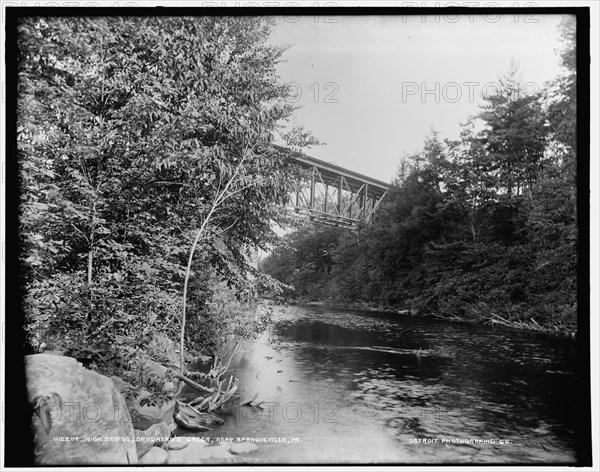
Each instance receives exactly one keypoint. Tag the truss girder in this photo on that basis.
(335, 195)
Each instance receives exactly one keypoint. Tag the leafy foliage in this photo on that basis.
(128, 129)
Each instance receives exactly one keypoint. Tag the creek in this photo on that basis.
(345, 386)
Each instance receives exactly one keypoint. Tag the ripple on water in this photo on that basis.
(466, 382)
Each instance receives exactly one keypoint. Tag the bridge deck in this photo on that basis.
(331, 172)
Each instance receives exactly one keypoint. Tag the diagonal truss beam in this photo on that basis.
(335, 195)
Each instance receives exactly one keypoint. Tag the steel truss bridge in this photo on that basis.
(335, 195)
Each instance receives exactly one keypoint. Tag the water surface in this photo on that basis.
(363, 387)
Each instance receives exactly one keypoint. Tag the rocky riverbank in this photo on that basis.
(81, 418)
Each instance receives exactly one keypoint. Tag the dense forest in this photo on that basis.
(479, 228)
(147, 175)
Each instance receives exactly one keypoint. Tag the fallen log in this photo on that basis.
(218, 402)
(195, 385)
(197, 401)
(189, 417)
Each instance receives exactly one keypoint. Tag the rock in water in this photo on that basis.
(155, 435)
(155, 456)
(175, 444)
(80, 418)
(199, 452)
(242, 447)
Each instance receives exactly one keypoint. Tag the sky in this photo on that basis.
(372, 87)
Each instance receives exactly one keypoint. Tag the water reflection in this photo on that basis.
(348, 386)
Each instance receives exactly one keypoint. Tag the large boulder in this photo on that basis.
(80, 418)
